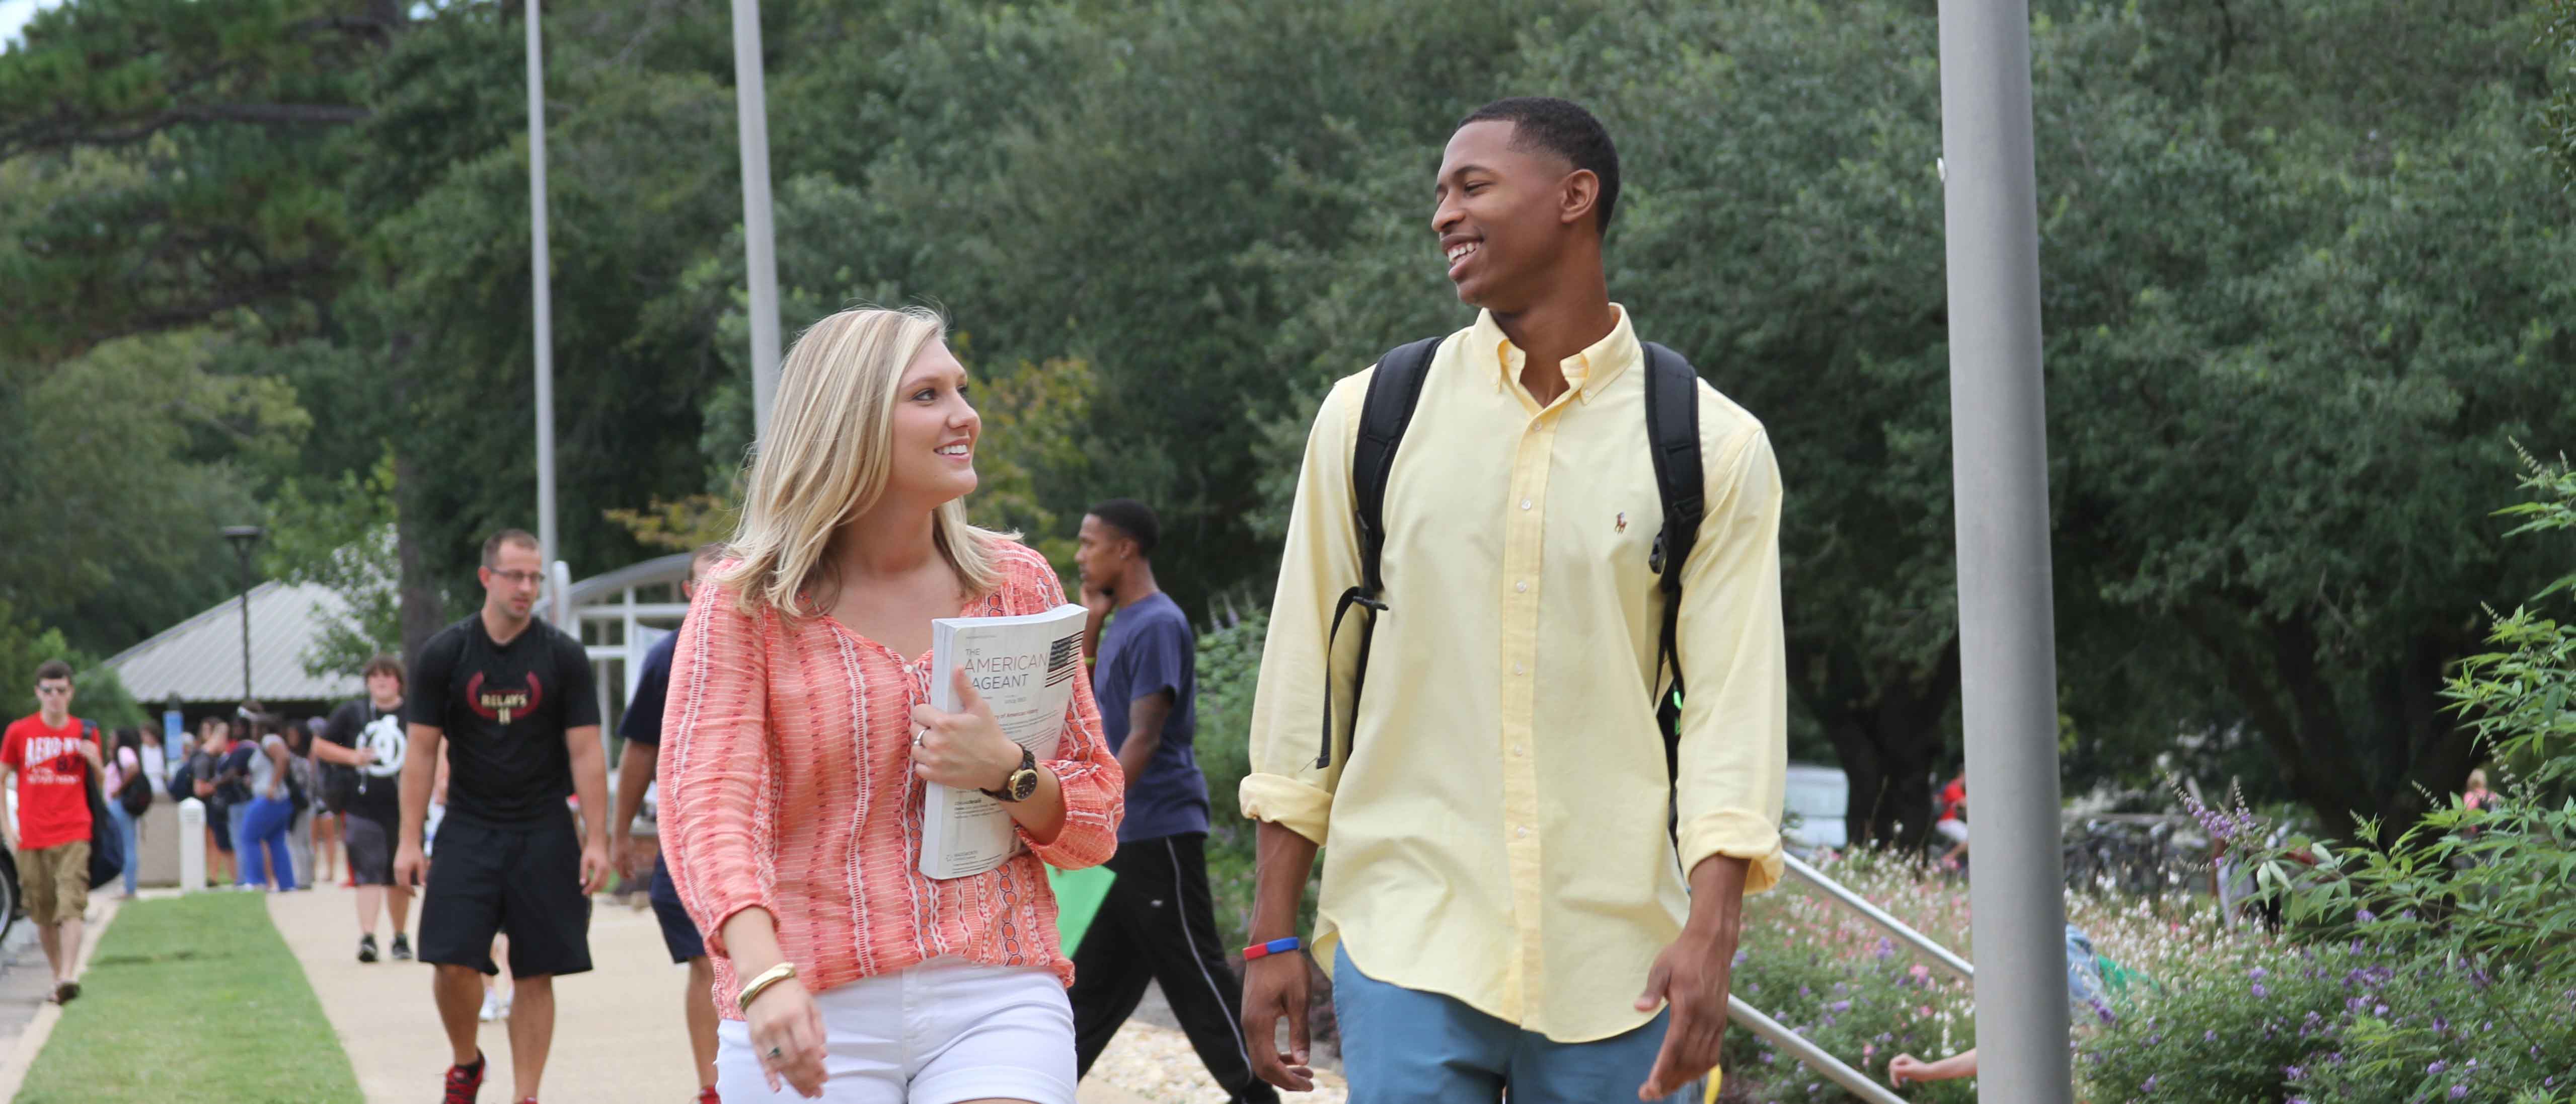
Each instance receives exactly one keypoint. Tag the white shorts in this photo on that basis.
(943, 1032)
(1956, 831)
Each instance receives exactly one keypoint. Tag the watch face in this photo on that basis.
(1024, 784)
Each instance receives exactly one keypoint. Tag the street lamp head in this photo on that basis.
(242, 535)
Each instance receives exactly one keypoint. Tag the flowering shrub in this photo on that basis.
(1864, 997)
(2342, 1024)
(1865, 1012)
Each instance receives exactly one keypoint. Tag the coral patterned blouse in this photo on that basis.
(787, 783)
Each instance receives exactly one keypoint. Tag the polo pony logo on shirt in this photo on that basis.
(1622, 526)
(499, 705)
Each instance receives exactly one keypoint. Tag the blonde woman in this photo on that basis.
(798, 738)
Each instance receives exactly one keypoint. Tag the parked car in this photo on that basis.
(1812, 809)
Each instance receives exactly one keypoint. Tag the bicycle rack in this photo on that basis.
(1809, 1054)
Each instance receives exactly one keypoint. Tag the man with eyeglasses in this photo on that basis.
(49, 756)
(508, 700)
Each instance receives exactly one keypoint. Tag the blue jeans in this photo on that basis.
(125, 829)
(262, 845)
(1403, 1046)
(235, 817)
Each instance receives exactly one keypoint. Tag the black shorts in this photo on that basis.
(524, 880)
(371, 848)
(679, 933)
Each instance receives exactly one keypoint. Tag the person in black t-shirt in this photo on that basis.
(366, 737)
(508, 700)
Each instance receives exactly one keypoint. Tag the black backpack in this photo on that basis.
(1672, 431)
(106, 843)
(136, 793)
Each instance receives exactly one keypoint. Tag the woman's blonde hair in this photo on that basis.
(828, 459)
(2478, 779)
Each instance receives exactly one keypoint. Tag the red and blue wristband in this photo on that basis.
(1275, 946)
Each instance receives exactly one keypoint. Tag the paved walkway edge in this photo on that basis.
(13, 1073)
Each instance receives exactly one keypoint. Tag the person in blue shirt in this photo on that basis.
(1158, 923)
(641, 728)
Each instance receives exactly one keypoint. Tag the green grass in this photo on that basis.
(193, 998)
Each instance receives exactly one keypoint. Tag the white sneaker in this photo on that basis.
(491, 1006)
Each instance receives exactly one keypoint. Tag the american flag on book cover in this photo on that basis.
(1063, 660)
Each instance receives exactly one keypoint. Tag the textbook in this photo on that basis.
(1025, 669)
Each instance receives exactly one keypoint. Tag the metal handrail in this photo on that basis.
(1807, 1053)
(1878, 916)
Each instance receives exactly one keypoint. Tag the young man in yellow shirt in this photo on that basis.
(1510, 902)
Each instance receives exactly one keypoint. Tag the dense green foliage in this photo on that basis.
(2305, 277)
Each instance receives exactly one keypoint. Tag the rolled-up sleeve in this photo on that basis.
(1320, 559)
(1095, 789)
(1735, 736)
(715, 765)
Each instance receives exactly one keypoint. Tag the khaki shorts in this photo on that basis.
(55, 881)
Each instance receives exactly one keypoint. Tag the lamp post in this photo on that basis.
(242, 538)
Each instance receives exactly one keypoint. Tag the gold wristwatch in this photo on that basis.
(1022, 782)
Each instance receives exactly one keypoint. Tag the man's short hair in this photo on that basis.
(384, 664)
(706, 554)
(53, 669)
(1564, 128)
(492, 546)
(1134, 519)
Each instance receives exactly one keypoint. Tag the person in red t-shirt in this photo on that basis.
(49, 758)
(1953, 824)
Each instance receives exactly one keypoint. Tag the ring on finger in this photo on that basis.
(919, 735)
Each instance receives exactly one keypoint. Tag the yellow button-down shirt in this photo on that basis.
(1495, 827)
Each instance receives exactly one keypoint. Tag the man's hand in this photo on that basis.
(621, 856)
(1275, 988)
(1099, 602)
(1691, 975)
(411, 867)
(594, 865)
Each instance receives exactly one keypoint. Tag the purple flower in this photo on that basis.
(2258, 973)
(2292, 1073)
(2458, 1091)
(2150, 1085)
(1840, 1006)
(2437, 1068)
(2259, 991)
(2365, 916)
(2209, 1036)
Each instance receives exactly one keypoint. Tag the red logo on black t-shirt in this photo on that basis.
(499, 705)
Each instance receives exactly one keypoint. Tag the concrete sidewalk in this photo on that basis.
(619, 1038)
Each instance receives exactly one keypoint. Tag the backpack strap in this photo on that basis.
(1672, 428)
(1393, 391)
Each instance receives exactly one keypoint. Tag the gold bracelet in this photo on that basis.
(771, 976)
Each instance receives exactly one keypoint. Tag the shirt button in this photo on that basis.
(1517, 669)
(1525, 504)
(1520, 749)
(1522, 586)
(1522, 831)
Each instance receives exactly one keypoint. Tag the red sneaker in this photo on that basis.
(708, 1095)
(464, 1082)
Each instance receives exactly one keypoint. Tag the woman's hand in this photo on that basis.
(787, 1035)
(966, 749)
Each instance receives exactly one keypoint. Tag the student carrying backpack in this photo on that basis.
(1672, 433)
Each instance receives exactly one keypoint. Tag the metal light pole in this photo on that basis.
(1999, 469)
(540, 289)
(242, 538)
(760, 261)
